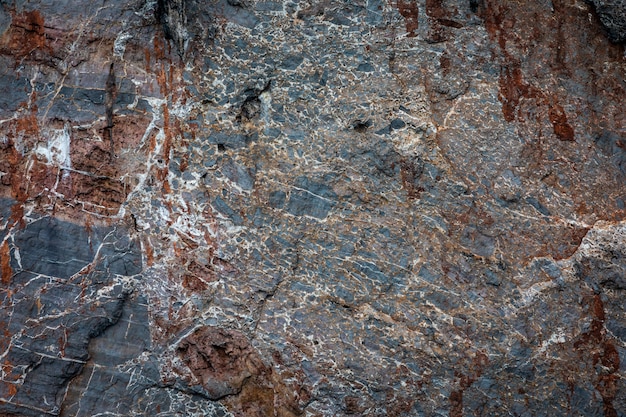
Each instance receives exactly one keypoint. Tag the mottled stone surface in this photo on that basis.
(312, 208)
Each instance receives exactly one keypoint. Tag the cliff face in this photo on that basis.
(320, 208)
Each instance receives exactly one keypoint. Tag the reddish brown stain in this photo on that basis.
(198, 276)
(352, 406)
(435, 9)
(12, 163)
(147, 58)
(162, 81)
(28, 125)
(167, 141)
(147, 248)
(562, 129)
(5, 263)
(567, 245)
(100, 193)
(512, 90)
(410, 174)
(25, 35)
(596, 343)
(445, 63)
(9, 387)
(500, 24)
(229, 367)
(494, 17)
(398, 406)
(193, 283)
(465, 379)
(450, 23)
(159, 47)
(410, 12)
(456, 403)
(62, 341)
(12, 388)
(439, 17)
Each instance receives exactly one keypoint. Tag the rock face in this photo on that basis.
(312, 208)
(612, 15)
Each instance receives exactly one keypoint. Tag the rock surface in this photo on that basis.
(312, 208)
(612, 15)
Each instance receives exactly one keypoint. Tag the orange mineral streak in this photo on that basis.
(5, 263)
(25, 36)
(9, 377)
(7, 367)
(162, 80)
(562, 129)
(28, 125)
(149, 252)
(167, 142)
(12, 389)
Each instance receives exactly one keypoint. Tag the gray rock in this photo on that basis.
(277, 199)
(239, 174)
(14, 90)
(612, 14)
(230, 140)
(311, 208)
(220, 205)
(55, 248)
(5, 20)
(310, 198)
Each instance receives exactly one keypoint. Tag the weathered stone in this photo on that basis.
(53, 264)
(223, 207)
(231, 141)
(612, 14)
(280, 208)
(55, 248)
(238, 174)
(310, 198)
(14, 92)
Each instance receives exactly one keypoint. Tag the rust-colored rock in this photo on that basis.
(328, 208)
(228, 367)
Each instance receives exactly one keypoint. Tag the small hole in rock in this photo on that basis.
(361, 126)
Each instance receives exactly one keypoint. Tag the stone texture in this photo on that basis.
(315, 208)
(612, 15)
(64, 285)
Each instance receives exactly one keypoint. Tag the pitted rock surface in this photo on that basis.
(312, 208)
